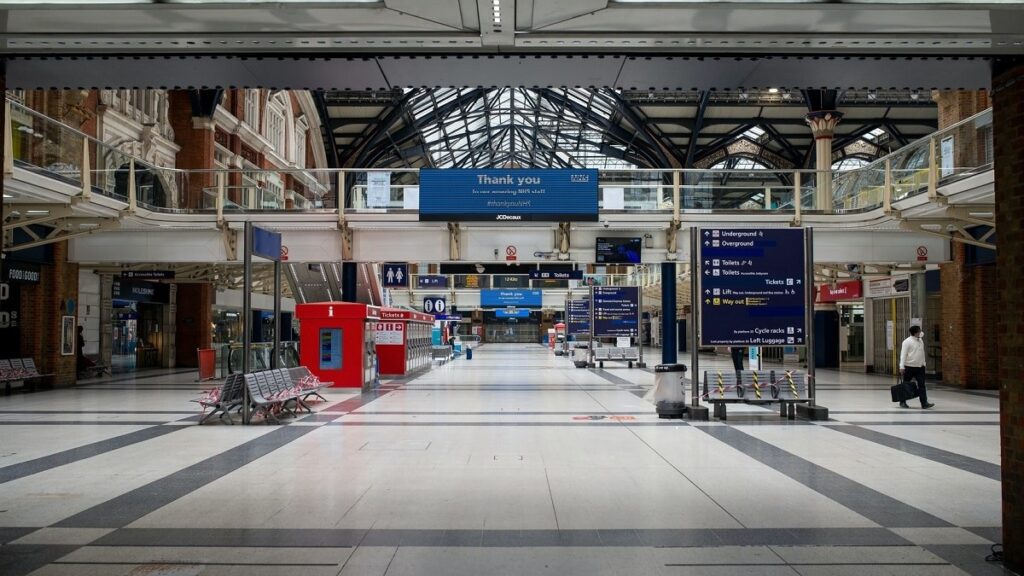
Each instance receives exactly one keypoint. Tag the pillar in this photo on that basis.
(349, 281)
(823, 126)
(1008, 144)
(668, 313)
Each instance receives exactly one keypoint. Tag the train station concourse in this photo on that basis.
(475, 287)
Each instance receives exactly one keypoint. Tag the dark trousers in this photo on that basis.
(737, 357)
(916, 373)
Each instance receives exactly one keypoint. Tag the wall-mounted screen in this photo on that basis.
(618, 251)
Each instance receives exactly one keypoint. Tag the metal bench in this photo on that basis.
(616, 354)
(787, 387)
(301, 373)
(18, 370)
(230, 397)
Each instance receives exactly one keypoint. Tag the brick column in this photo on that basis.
(1008, 140)
(42, 307)
(195, 136)
(968, 323)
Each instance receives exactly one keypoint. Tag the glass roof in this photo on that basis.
(519, 127)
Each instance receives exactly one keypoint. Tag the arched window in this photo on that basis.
(275, 125)
(301, 127)
(252, 108)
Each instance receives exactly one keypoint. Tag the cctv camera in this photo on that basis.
(605, 223)
(480, 268)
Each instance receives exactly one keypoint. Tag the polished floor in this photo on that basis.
(512, 463)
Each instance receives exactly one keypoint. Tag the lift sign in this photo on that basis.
(389, 334)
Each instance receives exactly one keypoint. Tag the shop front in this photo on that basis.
(139, 321)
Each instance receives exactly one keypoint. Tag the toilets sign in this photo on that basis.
(395, 275)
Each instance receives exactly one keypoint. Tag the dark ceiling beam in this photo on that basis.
(698, 125)
(900, 138)
(634, 117)
(326, 132)
(338, 122)
(689, 123)
(789, 151)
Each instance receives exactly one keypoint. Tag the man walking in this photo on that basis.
(912, 361)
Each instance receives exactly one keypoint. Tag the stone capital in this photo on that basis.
(823, 123)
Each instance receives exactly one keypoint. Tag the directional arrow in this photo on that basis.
(706, 262)
(799, 281)
(707, 301)
(706, 232)
(707, 272)
(707, 291)
(706, 243)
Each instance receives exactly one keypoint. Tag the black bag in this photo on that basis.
(904, 390)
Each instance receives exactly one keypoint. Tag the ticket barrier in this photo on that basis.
(403, 340)
(336, 342)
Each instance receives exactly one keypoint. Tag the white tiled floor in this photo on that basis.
(532, 465)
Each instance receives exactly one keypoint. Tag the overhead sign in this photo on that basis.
(577, 316)
(435, 305)
(141, 291)
(513, 313)
(432, 281)
(394, 275)
(21, 272)
(544, 275)
(842, 291)
(616, 311)
(888, 286)
(448, 317)
(148, 274)
(517, 298)
(513, 195)
(266, 244)
(752, 287)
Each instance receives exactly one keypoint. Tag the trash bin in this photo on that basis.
(670, 390)
(581, 355)
(469, 353)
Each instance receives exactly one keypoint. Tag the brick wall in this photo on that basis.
(196, 141)
(192, 325)
(969, 317)
(968, 310)
(42, 306)
(1008, 127)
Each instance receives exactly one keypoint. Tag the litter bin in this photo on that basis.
(581, 355)
(670, 390)
(469, 353)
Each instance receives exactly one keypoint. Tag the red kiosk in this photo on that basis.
(403, 341)
(336, 341)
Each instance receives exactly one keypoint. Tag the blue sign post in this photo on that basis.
(616, 311)
(513, 195)
(752, 287)
(577, 315)
(394, 275)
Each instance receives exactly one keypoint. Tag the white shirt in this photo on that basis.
(912, 354)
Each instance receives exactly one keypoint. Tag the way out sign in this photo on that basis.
(435, 305)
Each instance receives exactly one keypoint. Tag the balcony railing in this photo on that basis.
(43, 145)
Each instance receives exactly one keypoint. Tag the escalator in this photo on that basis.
(322, 282)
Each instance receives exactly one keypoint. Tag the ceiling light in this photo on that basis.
(8, 196)
(915, 95)
(872, 96)
(773, 90)
(497, 20)
(37, 212)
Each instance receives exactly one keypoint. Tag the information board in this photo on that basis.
(389, 334)
(616, 311)
(567, 275)
(752, 287)
(577, 316)
(506, 298)
(513, 195)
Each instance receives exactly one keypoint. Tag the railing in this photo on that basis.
(640, 276)
(41, 144)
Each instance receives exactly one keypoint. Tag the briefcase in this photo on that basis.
(903, 391)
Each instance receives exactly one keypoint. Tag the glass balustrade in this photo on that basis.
(42, 145)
